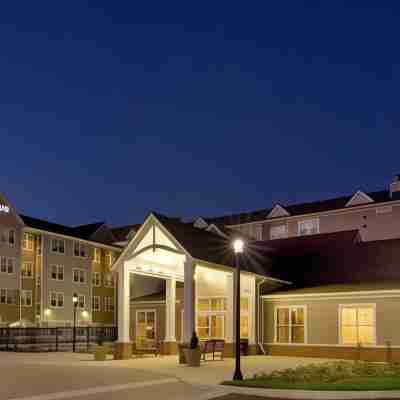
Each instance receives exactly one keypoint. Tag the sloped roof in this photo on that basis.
(298, 209)
(121, 232)
(84, 232)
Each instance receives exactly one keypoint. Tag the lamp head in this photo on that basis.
(238, 246)
(75, 298)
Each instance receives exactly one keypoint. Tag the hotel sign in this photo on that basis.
(4, 208)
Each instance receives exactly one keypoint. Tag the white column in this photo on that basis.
(229, 325)
(189, 300)
(252, 310)
(170, 335)
(123, 305)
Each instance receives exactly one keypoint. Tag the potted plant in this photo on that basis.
(193, 353)
(100, 352)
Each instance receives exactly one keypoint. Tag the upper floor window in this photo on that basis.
(81, 301)
(39, 245)
(308, 227)
(78, 276)
(108, 280)
(28, 241)
(357, 324)
(58, 246)
(97, 255)
(252, 230)
(56, 299)
(96, 279)
(8, 237)
(57, 272)
(278, 231)
(8, 296)
(290, 324)
(108, 304)
(109, 258)
(27, 270)
(96, 303)
(79, 249)
(26, 298)
(7, 265)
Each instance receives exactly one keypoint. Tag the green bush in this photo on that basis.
(333, 372)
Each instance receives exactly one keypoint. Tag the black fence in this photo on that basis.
(54, 339)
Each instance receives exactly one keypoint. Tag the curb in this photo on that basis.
(314, 394)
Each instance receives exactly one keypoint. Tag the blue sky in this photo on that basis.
(111, 109)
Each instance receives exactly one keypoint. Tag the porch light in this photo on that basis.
(75, 298)
(238, 246)
(85, 314)
(47, 312)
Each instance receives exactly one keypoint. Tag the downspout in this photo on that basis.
(260, 315)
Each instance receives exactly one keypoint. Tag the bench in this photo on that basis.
(214, 347)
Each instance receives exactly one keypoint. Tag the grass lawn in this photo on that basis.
(357, 383)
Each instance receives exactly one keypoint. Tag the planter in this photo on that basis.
(100, 353)
(181, 354)
(193, 357)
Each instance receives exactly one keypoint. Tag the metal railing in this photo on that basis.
(54, 339)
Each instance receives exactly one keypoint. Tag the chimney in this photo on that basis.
(395, 188)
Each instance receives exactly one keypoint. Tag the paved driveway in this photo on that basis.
(54, 376)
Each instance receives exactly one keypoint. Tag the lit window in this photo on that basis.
(109, 258)
(57, 272)
(79, 249)
(244, 317)
(39, 245)
(8, 296)
(27, 270)
(58, 246)
(27, 242)
(108, 304)
(146, 327)
(308, 227)
(79, 276)
(278, 231)
(108, 280)
(357, 324)
(96, 303)
(97, 255)
(211, 317)
(290, 324)
(26, 298)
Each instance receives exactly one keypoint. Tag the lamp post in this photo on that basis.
(75, 304)
(238, 246)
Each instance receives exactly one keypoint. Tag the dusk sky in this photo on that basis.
(111, 109)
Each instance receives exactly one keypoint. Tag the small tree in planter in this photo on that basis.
(193, 353)
(100, 352)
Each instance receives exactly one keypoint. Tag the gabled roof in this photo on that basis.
(298, 209)
(83, 232)
(359, 198)
(121, 232)
(278, 211)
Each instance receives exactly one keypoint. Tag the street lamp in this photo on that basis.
(75, 304)
(238, 246)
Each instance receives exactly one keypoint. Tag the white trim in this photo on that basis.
(355, 305)
(290, 307)
(99, 303)
(57, 272)
(200, 223)
(22, 270)
(57, 252)
(31, 296)
(272, 225)
(96, 273)
(369, 293)
(27, 241)
(80, 270)
(278, 211)
(359, 195)
(133, 303)
(213, 227)
(376, 346)
(80, 245)
(56, 306)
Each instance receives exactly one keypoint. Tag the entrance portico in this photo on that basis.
(208, 288)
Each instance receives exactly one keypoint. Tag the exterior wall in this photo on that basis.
(322, 328)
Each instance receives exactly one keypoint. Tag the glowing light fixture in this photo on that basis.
(238, 246)
(85, 314)
(47, 312)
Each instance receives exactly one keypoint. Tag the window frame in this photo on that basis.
(94, 274)
(58, 247)
(98, 309)
(97, 255)
(79, 270)
(57, 293)
(27, 241)
(210, 313)
(23, 269)
(285, 224)
(81, 246)
(109, 304)
(306, 220)
(112, 286)
(7, 296)
(24, 292)
(7, 261)
(58, 268)
(146, 311)
(290, 307)
(357, 306)
(79, 307)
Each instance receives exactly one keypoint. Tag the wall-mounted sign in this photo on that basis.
(4, 208)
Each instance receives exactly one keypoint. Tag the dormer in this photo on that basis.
(216, 230)
(278, 211)
(200, 223)
(358, 199)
